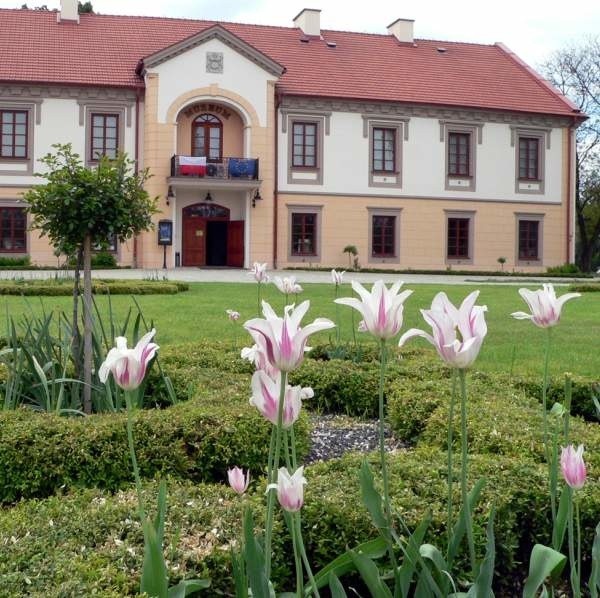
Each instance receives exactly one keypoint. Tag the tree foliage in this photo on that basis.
(575, 71)
(75, 201)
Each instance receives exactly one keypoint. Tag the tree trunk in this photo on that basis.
(76, 335)
(87, 324)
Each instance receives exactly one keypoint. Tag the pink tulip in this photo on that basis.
(573, 466)
(381, 309)
(290, 489)
(233, 315)
(128, 366)
(237, 480)
(457, 333)
(337, 277)
(287, 285)
(281, 340)
(259, 272)
(265, 397)
(544, 305)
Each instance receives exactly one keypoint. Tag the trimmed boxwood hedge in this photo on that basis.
(90, 542)
(41, 454)
(99, 287)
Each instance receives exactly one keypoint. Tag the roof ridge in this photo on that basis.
(533, 74)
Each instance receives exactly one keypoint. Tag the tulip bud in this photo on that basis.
(237, 480)
(573, 466)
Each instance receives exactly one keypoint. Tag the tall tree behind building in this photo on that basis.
(575, 70)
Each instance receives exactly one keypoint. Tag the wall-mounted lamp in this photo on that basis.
(170, 195)
(257, 197)
(208, 197)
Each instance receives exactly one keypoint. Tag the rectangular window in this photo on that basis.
(458, 238)
(383, 236)
(13, 230)
(529, 158)
(13, 128)
(459, 150)
(384, 150)
(105, 136)
(304, 234)
(529, 239)
(304, 145)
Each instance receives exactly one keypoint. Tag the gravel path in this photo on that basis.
(334, 435)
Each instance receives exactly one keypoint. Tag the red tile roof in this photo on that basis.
(104, 50)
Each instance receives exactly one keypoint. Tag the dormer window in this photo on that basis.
(207, 137)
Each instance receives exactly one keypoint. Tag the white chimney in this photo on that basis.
(69, 10)
(402, 30)
(309, 21)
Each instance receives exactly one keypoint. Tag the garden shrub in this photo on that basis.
(90, 543)
(15, 262)
(585, 288)
(99, 287)
(582, 391)
(196, 440)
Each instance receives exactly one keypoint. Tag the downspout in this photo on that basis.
(276, 182)
(569, 185)
(136, 160)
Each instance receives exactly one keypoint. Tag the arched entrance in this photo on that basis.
(210, 237)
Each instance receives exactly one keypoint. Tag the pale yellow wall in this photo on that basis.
(158, 149)
(233, 134)
(345, 220)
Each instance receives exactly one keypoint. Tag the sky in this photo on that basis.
(534, 29)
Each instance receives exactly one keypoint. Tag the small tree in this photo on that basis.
(351, 251)
(80, 207)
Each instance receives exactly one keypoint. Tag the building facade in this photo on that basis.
(286, 144)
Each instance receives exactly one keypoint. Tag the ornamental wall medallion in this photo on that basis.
(214, 62)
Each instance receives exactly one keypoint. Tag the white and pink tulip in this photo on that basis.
(457, 334)
(290, 489)
(381, 309)
(129, 366)
(573, 467)
(237, 480)
(544, 305)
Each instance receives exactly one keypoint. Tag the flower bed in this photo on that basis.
(99, 287)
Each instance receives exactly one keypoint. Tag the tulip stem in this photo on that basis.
(464, 472)
(136, 471)
(337, 317)
(258, 301)
(384, 471)
(311, 579)
(549, 461)
(286, 450)
(275, 467)
(293, 443)
(271, 455)
(450, 457)
(572, 562)
(578, 523)
(297, 557)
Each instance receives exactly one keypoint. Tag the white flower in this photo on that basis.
(287, 285)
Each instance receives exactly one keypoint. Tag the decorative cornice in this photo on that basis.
(389, 109)
(224, 36)
(305, 113)
(384, 119)
(39, 92)
(516, 130)
(10, 102)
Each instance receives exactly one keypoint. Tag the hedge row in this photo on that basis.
(41, 454)
(99, 287)
(502, 419)
(90, 542)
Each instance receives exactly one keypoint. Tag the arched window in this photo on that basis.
(207, 137)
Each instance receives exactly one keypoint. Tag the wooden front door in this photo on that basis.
(235, 244)
(194, 241)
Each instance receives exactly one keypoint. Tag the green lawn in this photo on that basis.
(200, 314)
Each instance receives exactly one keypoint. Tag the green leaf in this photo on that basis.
(544, 562)
(411, 554)
(255, 560)
(459, 528)
(482, 588)
(187, 587)
(370, 574)
(239, 575)
(343, 564)
(431, 553)
(594, 583)
(154, 570)
(560, 525)
(372, 499)
(336, 588)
